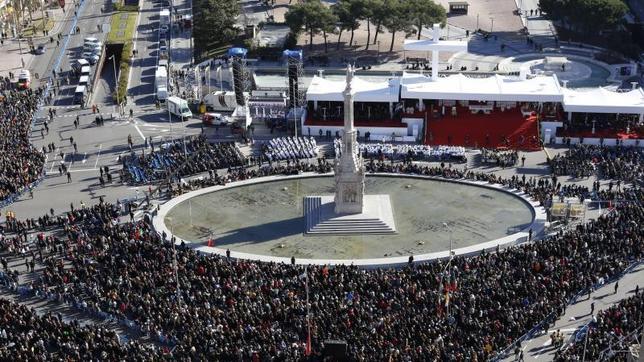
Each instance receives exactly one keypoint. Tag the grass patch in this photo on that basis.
(122, 27)
(124, 72)
(35, 28)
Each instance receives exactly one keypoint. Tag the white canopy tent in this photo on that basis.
(496, 88)
(601, 100)
(326, 90)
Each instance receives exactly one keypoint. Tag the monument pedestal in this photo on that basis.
(376, 217)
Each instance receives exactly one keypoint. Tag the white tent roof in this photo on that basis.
(322, 89)
(495, 88)
(601, 100)
(425, 45)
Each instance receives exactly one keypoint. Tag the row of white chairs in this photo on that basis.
(283, 148)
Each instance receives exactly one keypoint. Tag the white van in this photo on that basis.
(79, 95)
(78, 64)
(90, 40)
(24, 79)
(83, 80)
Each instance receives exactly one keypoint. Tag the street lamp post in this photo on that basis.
(116, 84)
(378, 42)
(477, 22)
(492, 26)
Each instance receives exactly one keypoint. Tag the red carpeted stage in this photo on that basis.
(507, 129)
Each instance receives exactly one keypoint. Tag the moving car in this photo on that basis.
(40, 49)
(215, 119)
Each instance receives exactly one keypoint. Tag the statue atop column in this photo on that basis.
(349, 168)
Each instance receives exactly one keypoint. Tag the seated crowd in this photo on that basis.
(20, 163)
(290, 148)
(616, 163)
(501, 158)
(173, 157)
(608, 334)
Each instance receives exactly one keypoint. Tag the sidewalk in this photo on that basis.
(10, 59)
(60, 18)
(578, 315)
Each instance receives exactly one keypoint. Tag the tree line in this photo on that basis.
(585, 16)
(396, 16)
(213, 22)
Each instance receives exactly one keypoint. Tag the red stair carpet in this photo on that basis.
(507, 129)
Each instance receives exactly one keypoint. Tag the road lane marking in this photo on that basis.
(136, 126)
(98, 155)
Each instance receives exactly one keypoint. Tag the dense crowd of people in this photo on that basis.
(227, 309)
(181, 158)
(26, 336)
(20, 163)
(609, 332)
(238, 310)
(208, 307)
(614, 163)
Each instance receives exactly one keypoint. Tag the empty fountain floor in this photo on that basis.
(267, 218)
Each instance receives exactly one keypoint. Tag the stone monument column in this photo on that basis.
(349, 168)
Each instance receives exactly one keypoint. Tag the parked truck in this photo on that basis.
(179, 107)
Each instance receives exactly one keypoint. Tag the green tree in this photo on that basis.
(326, 23)
(346, 20)
(398, 19)
(367, 13)
(313, 16)
(426, 13)
(589, 16)
(380, 15)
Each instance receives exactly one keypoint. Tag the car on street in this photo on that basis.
(164, 28)
(215, 119)
(91, 57)
(78, 64)
(92, 47)
(91, 40)
(40, 49)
